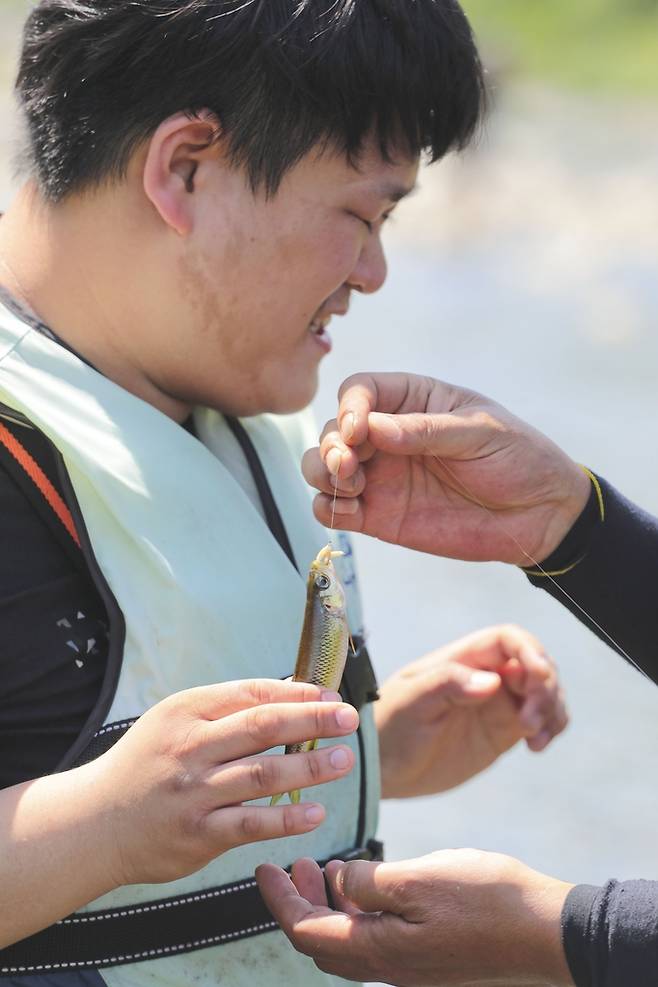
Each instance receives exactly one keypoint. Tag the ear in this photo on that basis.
(176, 150)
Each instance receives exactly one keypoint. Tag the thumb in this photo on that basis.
(459, 685)
(368, 886)
(421, 433)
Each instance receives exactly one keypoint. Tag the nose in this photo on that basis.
(370, 270)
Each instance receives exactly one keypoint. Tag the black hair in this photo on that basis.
(97, 77)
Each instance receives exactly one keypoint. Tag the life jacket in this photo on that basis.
(198, 592)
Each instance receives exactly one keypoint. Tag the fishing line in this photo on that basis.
(333, 506)
(333, 516)
(534, 562)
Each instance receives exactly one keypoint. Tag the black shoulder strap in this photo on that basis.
(38, 448)
(270, 509)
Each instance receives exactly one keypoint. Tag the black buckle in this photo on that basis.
(373, 850)
(359, 683)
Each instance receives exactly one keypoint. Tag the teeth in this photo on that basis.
(317, 328)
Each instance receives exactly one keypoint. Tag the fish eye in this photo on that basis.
(322, 581)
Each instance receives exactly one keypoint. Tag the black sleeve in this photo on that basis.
(605, 572)
(610, 934)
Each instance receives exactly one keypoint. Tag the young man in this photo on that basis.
(448, 471)
(208, 182)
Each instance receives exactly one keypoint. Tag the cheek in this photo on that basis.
(328, 263)
(224, 279)
(344, 250)
(325, 244)
(195, 290)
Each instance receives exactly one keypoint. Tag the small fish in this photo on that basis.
(324, 640)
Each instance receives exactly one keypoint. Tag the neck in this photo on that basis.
(82, 284)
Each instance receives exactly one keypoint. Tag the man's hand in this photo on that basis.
(449, 715)
(444, 470)
(455, 917)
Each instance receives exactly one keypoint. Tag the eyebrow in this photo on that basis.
(394, 192)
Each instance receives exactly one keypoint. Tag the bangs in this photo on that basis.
(404, 71)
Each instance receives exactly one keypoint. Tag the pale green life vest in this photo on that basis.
(207, 595)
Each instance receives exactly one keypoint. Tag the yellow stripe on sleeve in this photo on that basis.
(597, 487)
(562, 572)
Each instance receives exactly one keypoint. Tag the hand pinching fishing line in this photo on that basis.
(534, 562)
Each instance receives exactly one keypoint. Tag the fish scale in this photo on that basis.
(324, 639)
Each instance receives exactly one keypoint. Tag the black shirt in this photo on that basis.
(611, 582)
(610, 934)
(53, 624)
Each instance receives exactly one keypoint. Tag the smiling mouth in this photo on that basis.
(318, 324)
(318, 327)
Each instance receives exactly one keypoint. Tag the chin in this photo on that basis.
(286, 396)
(292, 399)
(282, 396)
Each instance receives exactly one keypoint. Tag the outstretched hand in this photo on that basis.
(459, 918)
(445, 470)
(449, 715)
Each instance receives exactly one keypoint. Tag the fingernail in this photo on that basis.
(328, 696)
(347, 718)
(333, 461)
(314, 814)
(483, 680)
(540, 657)
(339, 759)
(347, 505)
(347, 484)
(347, 426)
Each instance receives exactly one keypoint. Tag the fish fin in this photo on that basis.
(295, 795)
(352, 644)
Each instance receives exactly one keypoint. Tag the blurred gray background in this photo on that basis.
(527, 269)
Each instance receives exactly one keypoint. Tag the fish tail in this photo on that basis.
(295, 794)
(294, 797)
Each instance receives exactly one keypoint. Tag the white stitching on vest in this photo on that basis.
(153, 953)
(114, 726)
(158, 905)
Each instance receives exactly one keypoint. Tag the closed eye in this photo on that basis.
(369, 225)
(366, 222)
